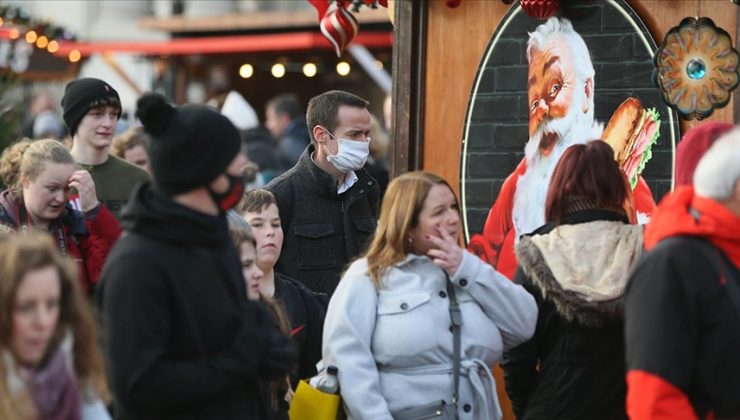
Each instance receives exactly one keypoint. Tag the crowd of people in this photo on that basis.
(168, 289)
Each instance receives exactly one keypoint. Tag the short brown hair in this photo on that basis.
(134, 136)
(255, 201)
(587, 171)
(323, 109)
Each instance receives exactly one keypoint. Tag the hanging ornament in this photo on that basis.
(452, 3)
(540, 9)
(340, 27)
(507, 1)
(696, 68)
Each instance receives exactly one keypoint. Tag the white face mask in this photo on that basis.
(351, 155)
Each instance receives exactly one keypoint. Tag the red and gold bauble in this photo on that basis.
(540, 9)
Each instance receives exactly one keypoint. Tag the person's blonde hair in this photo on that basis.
(402, 203)
(18, 256)
(132, 137)
(27, 159)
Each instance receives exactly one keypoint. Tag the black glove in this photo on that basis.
(280, 356)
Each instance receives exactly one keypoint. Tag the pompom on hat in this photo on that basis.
(82, 94)
(191, 145)
(694, 143)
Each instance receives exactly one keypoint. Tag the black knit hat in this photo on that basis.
(191, 145)
(80, 95)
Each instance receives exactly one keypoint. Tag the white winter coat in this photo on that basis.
(393, 346)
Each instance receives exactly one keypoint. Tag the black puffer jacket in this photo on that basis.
(324, 231)
(181, 341)
(573, 367)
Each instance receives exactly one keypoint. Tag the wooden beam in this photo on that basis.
(409, 56)
(112, 63)
(253, 21)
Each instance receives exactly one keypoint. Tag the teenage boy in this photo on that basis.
(91, 111)
(305, 309)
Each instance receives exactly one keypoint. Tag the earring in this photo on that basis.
(411, 240)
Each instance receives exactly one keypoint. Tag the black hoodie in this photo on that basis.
(180, 339)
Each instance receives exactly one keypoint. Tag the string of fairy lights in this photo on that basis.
(309, 69)
(17, 24)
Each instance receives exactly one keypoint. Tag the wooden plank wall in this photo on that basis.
(457, 39)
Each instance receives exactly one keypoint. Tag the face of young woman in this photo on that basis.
(269, 235)
(46, 196)
(35, 315)
(440, 209)
(251, 272)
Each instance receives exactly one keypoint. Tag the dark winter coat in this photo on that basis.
(306, 311)
(180, 339)
(573, 367)
(324, 231)
(682, 329)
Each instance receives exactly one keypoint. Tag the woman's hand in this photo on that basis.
(447, 253)
(85, 186)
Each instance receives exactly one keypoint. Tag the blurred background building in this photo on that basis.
(191, 51)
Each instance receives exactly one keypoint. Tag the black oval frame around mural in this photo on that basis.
(496, 132)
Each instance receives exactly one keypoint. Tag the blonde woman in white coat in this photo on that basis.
(388, 324)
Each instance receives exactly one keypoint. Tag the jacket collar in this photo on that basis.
(321, 181)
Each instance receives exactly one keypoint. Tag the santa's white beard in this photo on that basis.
(531, 189)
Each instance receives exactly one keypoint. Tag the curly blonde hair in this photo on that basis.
(26, 160)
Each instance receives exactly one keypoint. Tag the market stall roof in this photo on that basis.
(296, 41)
(254, 21)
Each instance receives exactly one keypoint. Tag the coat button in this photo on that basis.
(404, 306)
(369, 182)
(463, 282)
(442, 294)
(467, 408)
(362, 191)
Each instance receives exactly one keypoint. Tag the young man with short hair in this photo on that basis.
(305, 309)
(328, 202)
(91, 111)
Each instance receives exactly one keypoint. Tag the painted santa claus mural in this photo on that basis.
(560, 90)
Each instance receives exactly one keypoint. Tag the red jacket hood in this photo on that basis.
(684, 213)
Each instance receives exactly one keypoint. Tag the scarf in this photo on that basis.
(52, 387)
(684, 213)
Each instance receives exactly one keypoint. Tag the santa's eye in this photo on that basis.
(554, 89)
(534, 106)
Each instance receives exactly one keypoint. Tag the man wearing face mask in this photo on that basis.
(181, 340)
(328, 203)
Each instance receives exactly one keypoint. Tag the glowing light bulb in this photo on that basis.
(309, 70)
(42, 42)
(31, 37)
(246, 71)
(278, 70)
(74, 56)
(343, 68)
(53, 46)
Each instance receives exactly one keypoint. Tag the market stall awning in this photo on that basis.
(226, 44)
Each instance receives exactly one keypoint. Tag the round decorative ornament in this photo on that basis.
(540, 9)
(340, 27)
(507, 1)
(696, 68)
(452, 3)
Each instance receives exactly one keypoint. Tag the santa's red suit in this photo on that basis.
(496, 244)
